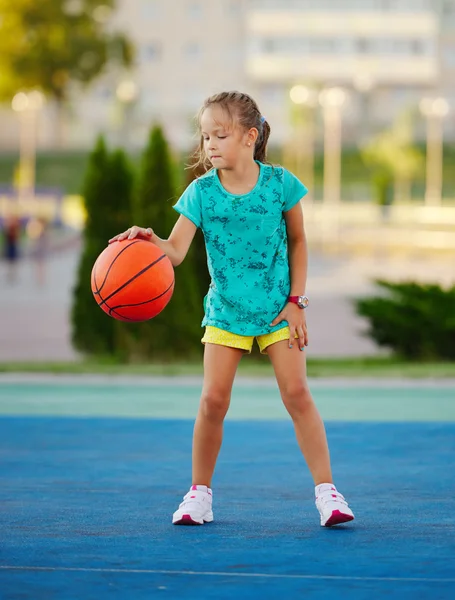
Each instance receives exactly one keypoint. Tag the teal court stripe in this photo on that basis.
(178, 398)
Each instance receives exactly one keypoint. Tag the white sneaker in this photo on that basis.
(332, 506)
(196, 508)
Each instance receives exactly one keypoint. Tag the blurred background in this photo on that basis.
(97, 125)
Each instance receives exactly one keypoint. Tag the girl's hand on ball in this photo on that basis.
(133, 232)
(140, 232)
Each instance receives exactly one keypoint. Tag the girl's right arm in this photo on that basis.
(175, 247)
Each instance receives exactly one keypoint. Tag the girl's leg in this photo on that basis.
(220, 366)
(290, 369)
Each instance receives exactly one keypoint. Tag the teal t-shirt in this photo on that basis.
(247, 247)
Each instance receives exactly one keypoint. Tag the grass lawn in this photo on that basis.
(350, 367)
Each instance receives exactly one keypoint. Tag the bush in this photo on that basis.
(107, 195)
(416, 320)
(198, 251)
(176, 331)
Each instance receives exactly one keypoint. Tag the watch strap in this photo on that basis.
(301, 301)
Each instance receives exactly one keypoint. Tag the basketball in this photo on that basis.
(132, 280)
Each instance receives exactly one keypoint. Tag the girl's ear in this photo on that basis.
(252, 136)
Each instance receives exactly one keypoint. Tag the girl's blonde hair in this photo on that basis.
(244, 110)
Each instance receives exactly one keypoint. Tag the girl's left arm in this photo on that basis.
(298, 251)
(298, 265)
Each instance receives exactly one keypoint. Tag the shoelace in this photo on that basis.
(332, 496)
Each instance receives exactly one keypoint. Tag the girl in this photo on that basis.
(251, 215)
(12, 233)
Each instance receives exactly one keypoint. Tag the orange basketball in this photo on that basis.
(132, 280)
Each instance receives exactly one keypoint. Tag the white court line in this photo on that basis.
(224, 574)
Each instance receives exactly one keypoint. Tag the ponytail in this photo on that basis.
(260, 150)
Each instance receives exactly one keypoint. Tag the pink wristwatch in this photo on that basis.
(301, 301)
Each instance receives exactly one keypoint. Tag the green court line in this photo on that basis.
(178, 399)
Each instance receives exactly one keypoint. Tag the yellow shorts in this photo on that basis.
(213, 335)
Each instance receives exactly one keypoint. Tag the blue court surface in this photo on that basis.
(92, 470)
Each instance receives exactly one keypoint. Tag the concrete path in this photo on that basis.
(34, 320)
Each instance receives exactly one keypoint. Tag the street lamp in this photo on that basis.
(434, 109)
(127, 92)
(306, 99)
(332, 100)
(364, 84)
(27, 105)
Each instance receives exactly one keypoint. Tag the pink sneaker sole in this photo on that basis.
(337, 518)
(186, 520)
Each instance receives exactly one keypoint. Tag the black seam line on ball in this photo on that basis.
(111, 310)
(98, 291)
(94, 281)
(144, 270)
(145, 301)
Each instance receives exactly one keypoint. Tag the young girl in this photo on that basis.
(251, 215)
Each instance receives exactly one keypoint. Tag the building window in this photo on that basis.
(417, 47)
(192, 98)
(269, 46)
(233, 8)
(320, 46)
(393, 5)
(104, 93)
(401, 46)
(363, 46)
(194, 10)
(192, 50)
(273, 93)
(344, 5)
(449, 57)
(149, 100)
(149, 9)
(151, 52)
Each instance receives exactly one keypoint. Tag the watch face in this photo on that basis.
(303, 302)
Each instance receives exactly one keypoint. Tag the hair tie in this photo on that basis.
(263, 119)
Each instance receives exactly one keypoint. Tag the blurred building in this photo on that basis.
(387, 53)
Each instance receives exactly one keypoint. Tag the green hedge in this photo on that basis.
(417, 321)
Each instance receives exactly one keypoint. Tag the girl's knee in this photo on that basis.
(214, 404)
(297, 397)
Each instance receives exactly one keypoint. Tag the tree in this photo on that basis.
(107, 195)
(50, 44)
(393, 158)
(176, 331)
(199, 252)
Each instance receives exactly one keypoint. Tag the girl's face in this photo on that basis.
(224, 143)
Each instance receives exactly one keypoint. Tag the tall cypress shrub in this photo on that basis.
(176, 332)
(198, 247)
(121, 183)
(107, 194)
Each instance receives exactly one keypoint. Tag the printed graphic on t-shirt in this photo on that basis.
(247, 249)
